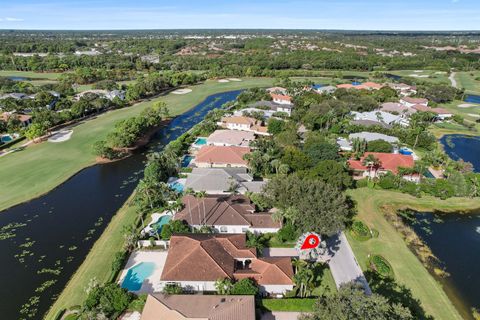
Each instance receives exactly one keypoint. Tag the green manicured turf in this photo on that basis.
(294, 305)
(467, 80)
(39, 168)
(406, 266)
(29, 74)
(98, 262)
(433, 76)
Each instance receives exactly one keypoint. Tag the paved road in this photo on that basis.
(453, 80)
(343, 264)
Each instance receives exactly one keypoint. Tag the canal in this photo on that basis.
(44, 241)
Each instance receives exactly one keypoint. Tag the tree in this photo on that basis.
(172, 288)
(318, 149)
(35, 130)
(224, 286)
(379, 146)
(275, 126)
(352, 303)
(371, 162)
(296, 159)
(333, 173)
(174, 226)
(244, 287)
(108, 299)
(312, 205)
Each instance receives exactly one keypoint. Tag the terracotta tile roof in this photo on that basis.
(240, 120)
(211, 256)
(389, 161)
(222, 155)
(22, 117)
(422, 108)
(205, 307)
(280, 97)
(415, 100)
(231, 137)
(267, 271)
(223, 210)
(345, 86)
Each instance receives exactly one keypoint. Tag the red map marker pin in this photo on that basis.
(312, 241)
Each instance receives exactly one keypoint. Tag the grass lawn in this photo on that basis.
(40, 168)
(433, 75)
(98, 262)
(467, 81)
(294, 305)
(29, 74)
(407, 268)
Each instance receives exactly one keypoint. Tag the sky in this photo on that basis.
(238, 14)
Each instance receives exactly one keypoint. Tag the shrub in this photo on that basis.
(244, 286)
(379, 146)
(360, 231)
(172, 288)
(287, 233)
(381, 266)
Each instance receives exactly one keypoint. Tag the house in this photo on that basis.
(222, 181)
(196, 261)
(372, 136)
(25, 120)
(226, 214)
(362, 86)
(403, 89)
(397, 108)
(410, 102)
(441, 113)
(231, 138)
(198, 307)
(370, 123)
(344, 144)
(281, 98)
(247, 112)
(243, 123)
(275, 107)
(279, 90)
(120, 94)
(325, 90)
(220, 157)
(380, 116)
(389, 162)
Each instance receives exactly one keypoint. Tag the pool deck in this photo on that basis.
(150, 284)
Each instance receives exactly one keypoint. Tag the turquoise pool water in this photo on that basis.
(137, 274)
(6, 139)
(186, 161)
(177, 187)
(160, 223)
(201, 142)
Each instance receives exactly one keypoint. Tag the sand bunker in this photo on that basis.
(418, 71)
(466, 105)
(61, 136)
(474, 115)
(182, 91)
(234, 79)
(223, 81)
(419, 75)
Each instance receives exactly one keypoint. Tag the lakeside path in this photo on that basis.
(38, 169)
(407, 268)
(453, 80)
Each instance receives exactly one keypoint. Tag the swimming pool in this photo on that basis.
(356, 83)
(186, 161)
(201, 141)
(6, 138)
(157, 226)
(176, 186)
(137, 274)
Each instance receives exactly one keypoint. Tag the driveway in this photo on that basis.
(343, 264)
(280, 252)
(280, 315)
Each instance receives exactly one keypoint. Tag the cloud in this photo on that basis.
(10, 19)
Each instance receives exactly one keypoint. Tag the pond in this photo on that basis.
(472, 98)
(454, 239)
(43, 242)
(18, 78)
(459, 146)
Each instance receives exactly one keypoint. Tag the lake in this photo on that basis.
(44, 241)
(454, 239)
(459, 146)
(472, 98)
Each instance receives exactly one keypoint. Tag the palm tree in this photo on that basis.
(371, 162)
(188, 192)
(276, 163)
(201, 196)
(223, 286)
